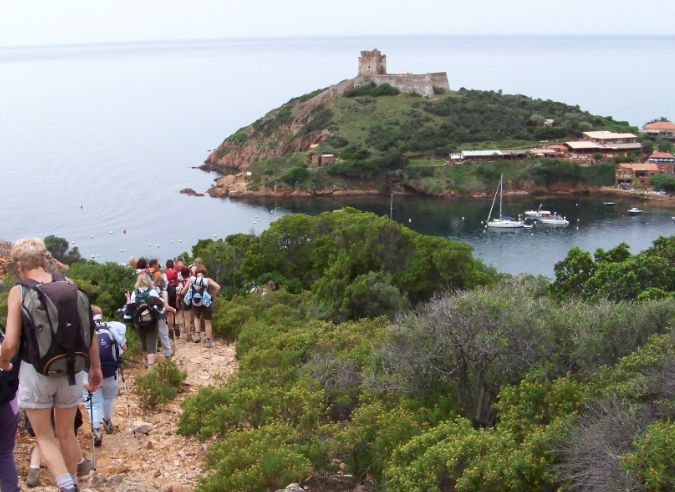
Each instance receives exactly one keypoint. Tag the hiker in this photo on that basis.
(9, 419)
(33, 477)
(185, 308)
(133, 262)
(153, 269)
(269, 287)
(164, 332)
(112, 342)
(171, 277)
(201, 302)
(141, 266)
(73, 333)
(142, 308)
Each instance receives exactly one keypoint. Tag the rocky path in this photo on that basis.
(159, 460)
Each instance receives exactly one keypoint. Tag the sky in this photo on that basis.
(57, 22)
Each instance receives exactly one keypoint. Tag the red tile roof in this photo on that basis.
(661, 125)
(661, 155)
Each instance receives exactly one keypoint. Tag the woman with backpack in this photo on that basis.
(50, 380)
(112, 342)
(164, 333)
(171, 276)
(181, 291)
(143, 309)
(201, 301)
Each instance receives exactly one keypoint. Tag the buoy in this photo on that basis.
(409, 220)
(93, 256)
(126, 250)
(81, 205)
(149, 245)
(72, 242)
(214, 235)
(158, 245)
(180, 240)
(256, 216)
(98, 256)
(577, 228)
(91, 236)
(110, 232)
(124, 231)
(172, 241)
(121, 251)
(254, 221)
(462, 218)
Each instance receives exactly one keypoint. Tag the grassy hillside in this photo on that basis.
(386, 139)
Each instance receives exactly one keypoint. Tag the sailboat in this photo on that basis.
(503, 221)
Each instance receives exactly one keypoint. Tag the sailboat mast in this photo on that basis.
(493, 204)
(391, 207)
(501, 194)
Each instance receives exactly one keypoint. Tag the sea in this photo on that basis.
(96, 141)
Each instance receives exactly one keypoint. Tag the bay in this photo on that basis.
(97, 139)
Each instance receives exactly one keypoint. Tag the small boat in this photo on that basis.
(635, 211)
(537, 213)
(673, 219)
(609, 203)
(503, 222)
(554, 220)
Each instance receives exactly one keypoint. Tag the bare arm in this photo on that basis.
(165, 298)
(13, 329)
(216, 287)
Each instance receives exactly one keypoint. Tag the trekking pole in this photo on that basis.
(91, 421)
(126, 393)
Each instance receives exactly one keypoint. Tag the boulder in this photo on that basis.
(294, 487)
(140, 427)
(96, 480)
(129, 486)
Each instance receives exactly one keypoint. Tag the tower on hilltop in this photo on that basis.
(372, 63)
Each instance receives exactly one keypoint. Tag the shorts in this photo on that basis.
(197, 311)
(38, 392)
(171, 290)
(148, 339)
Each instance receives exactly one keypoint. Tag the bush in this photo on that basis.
(373, 90)
(160, 385)
(295, 175)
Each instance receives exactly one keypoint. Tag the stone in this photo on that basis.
(130, 486)
(141, 427)
(149, 445)
(360, 488)
(294, 487)
(97, 480)
(115, 480)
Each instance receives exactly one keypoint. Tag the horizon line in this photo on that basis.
(194, 41)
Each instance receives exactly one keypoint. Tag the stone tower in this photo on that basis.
(372, 63)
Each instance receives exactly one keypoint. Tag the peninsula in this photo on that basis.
(407, 133)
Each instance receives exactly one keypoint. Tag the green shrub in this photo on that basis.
(160, 385)
(295, 175)
(373, 90)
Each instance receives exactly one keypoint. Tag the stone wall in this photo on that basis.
(372, 63)
(330, 93)
(421, 84)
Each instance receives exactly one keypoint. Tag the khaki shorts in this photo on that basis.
(197, 311)
(38, 392)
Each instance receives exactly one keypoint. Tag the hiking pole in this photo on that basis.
(126, 393)
(91, 421)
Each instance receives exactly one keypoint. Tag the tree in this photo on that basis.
(572, 273)
(648, 146)
(597, 156)
(59, 248)
(663, 182)
(666, 145)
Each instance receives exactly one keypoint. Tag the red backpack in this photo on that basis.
(172, 277)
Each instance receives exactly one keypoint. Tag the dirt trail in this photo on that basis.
(162, 458)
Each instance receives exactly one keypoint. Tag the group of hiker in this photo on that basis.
(57, 351)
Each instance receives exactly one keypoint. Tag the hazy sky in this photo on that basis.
(46, 22)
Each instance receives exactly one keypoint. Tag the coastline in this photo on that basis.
(235, 186)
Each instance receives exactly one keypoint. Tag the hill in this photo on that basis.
(383, 140)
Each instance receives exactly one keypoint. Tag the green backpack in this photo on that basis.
(57, 327)
(145, 316)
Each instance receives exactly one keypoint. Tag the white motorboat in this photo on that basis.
(537, 213)
(503, 222)
(635, 211)
(554, 220)
(609, 203)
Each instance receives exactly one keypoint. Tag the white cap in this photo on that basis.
(97, 317)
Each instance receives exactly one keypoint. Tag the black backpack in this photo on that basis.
(9, 380)
(108, 350)
(57, 327)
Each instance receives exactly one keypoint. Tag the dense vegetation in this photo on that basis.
(396, 360)
(384, 139)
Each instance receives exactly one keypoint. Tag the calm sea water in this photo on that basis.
(117, 129)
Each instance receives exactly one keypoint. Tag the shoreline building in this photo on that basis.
(664, 129)
(373, 68)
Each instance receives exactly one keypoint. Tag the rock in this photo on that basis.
(360, 488)
(115, 480)
(96, 480)
(129, 486)
(294, 487)
(149, 445)
(190, 192)
(157, 474)
(141, 427)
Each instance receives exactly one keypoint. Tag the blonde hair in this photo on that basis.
(143, 282)
(160, 282)
(30, 253)
(96, 310)
(133, 261)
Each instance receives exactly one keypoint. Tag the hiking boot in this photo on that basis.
(198, 337)
(85, 467)
(176, 330)
(98, 437)
(209, 343)
(108, 426)
(33, 478)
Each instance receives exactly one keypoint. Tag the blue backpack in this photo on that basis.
(108, 351)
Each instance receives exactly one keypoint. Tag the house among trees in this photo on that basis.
(664, 161)
(663, 129)
(640, 171)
